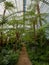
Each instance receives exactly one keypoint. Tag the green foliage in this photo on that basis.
(39, 51)
(8, 5)
(37, 54)
(8, 56)
(41, 37)
(3, 21)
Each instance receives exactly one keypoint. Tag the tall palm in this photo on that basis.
(38, 12)
(7, 6)
(35, 17)
(38, 9)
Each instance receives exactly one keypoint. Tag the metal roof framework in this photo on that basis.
(25, 4)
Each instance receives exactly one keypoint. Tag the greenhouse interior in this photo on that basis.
(24, 32)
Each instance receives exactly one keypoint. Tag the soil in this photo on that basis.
(24, 59)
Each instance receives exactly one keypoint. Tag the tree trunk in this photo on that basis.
(34, 32)
(1, 43)
(38, 11)
(2, 27)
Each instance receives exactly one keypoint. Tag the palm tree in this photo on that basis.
(35, 17)
(38, 9)
(7, 6)
(38, 12)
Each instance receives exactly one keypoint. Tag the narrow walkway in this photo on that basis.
(23, 59)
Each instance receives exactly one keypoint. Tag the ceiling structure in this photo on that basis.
(21, 5)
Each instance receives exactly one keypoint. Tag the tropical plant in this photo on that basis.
(35, 16)
(8, 6)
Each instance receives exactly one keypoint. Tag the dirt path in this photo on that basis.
(23, 59)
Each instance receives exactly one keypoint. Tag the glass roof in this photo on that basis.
(44, 6)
